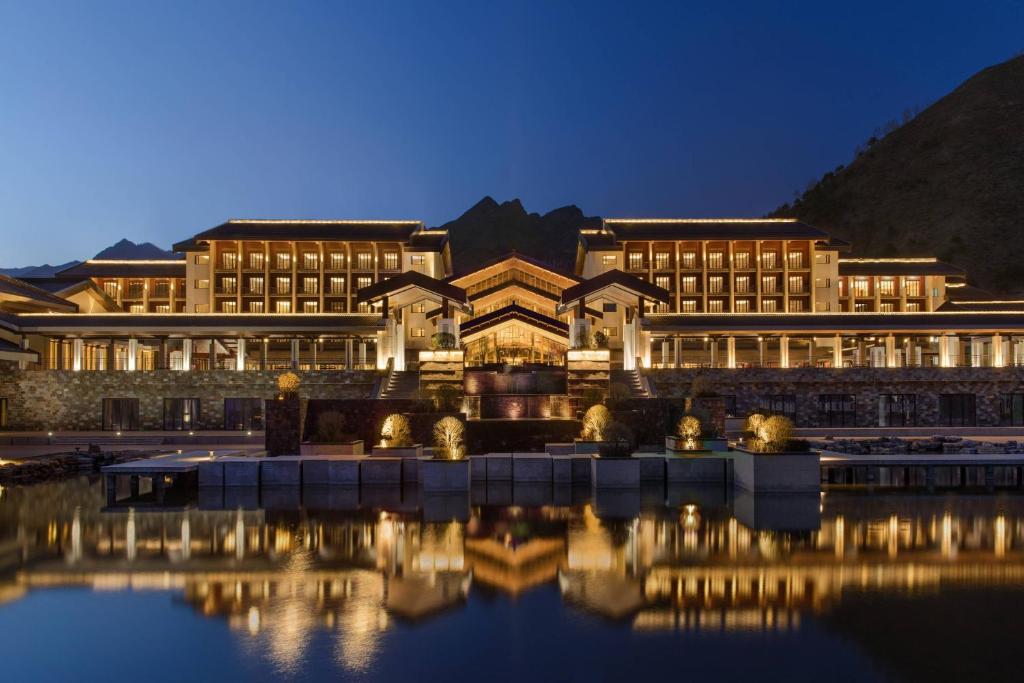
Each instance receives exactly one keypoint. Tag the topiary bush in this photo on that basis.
(448, 439)
(689, 432)
(595, 422)
(395, 432)
(288, 383)
(619, 441)
(443, 341)
(447, 398)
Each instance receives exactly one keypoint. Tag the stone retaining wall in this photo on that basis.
(63, 400)
(750, 385)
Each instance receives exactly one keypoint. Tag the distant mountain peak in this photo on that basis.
(126, 249)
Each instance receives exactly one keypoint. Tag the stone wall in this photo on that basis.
(806, 385)
(66, 400)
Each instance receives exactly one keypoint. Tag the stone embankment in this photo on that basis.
(935, 444)
(60, 466)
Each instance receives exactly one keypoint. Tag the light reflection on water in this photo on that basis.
(283, 579)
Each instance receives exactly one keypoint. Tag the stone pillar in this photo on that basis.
(730, 351)
(76, 354)
(837, 351)
(977, 352)
(264, 353)
(186, 354)
(665, 353)
(998, 351)
(295, 353)
(348, 354)
(678, 351)
(760, 351)
(714, 351)
(362, 354)
(240, 354)
(629, 351)
(59, 360)
(890, 351)
(645, 339)
(133, 350)
(398, 347)
(784, 351)
(111, 355)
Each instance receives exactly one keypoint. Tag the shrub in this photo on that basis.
(600, 340)
(617, 393)
(446, 398)
(753, 422)
(442, 341)
(700, 387)
(330, 427)
(288, 383)
(395, 432)
(448, 435)
(591, 396)
(584, 340)
(689, 432)
(620, 441)
(595, 422)
(772, 434)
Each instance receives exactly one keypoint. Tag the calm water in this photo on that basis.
(679, 583)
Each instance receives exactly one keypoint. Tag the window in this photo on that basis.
(741, 260)
(796, 305)
(935, 292)
(795, 259)
(336, 260)
(912, 287)
(661, 260)
(202, 284)
(229, 306)
(887, 307)
(136, 308)
(243, 413)
(161, 289)
(256, 285)
(608, 308)
(390, 260)
(822, 259)
(363, 281)
(136, 289)
(310, 260)
(837, 410)
(769, 305)
(887, 286)
(282, 285)
(608, 260)
(957, 410)
(716, 260)
(417, 260)
(364, 260)
(228, 285)
(310, 285)
(913, 307)
(636, 260)
(610, 331)
(110, 288)
(796, 284)
(861, 308)
(310, 306)
(419, 308)
(256, 307)
(768, 284)
(256, 260)
(715, 305)
(860, 287)
(202, 308)
(416, 332)
(282, 306)
(336, 284)
(229, 260)
(822, 283)
(688, 284)
(689, 260)
(779, 404)
(663, 281)
(897, 410)
(769, 259)
(120, 414)
(1011, 410)
(337, 306)
(181, 414)
(742, 305)
(715, 283)
(283, 260)
(202, 259)
(688, 306)
(742, 284)
(162, 308)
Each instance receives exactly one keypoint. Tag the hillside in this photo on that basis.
(948, 183)
(123, 249)
(489, 229)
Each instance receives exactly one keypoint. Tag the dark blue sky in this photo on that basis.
(155, 120)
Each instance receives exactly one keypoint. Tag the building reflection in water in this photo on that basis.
(278, 578)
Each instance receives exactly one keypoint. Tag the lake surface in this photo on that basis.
(679, 583)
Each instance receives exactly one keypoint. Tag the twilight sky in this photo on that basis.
(153, 121)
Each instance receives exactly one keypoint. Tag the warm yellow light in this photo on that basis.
(700, 220)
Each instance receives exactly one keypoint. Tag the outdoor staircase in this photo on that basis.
(638, 388)
(401, 385)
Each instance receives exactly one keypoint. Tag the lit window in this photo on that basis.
(229, 260)
(110, 288)
(283, 260)
(310, 260)
(688, 305)
(419, 308)
(741, 260)
(337, 284)
(310, 285)
(796, 284)
(417, 260)
(256, 285)
(228, 307)
(661, 260)
(228, 285)
(822, 282)
(282, 306)
(636, 260)
(715, 284)
(935, 291)
(887, 286)
(913, 306)
(364, 260)
(136, 288)
(161, 289)
(689, 259)
(716, 260)
(912, 287)
(860, 287)
(255, 306)
(742, 284)
(796, 259)
(822, 259)
(887, 307)
(310, 306)
(202, 284)
(256, 260)
(715, 306)
(688, 284)
(796, 305)
(769, 305)
(202, 308)
(610, 331)
(861, 308)
(417, 332)
(742, 305)
(136, 308)
(390, 260)
(282, 285)
(336, 260)
(202, 259)
(769, 259)
(162, 308)
(663, 281)
(363, 281)
(337, 306)
(768, 284)
(608, 260)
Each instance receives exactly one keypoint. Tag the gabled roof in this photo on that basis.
(407, 282)
(514, 312)
(600, 285)
(712, 229)
(15, 290)
(169, 268)
(898, 266)
(537, 263)
(312, 230)
(974, 305)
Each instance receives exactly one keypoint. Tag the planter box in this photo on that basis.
(532, 468)
(697, 467)
(615, 473)
(675, 444)
(241, 471)
(338, 448)
(336, 471)
(589, 447)
(211, 473)
(652, 466)
(777, 472)
(561, 469)
(444, 476)
(717, 445)
(498, 466)
(414, 451)
(380, 471)
(285, 470)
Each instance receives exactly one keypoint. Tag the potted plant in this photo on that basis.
(448, 470)
(331, 437)
(771, 461)
(396, 439)
(688, 439)
(592, 437)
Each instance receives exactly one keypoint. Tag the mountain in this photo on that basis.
(949, 182)
(45, 270)
(126, 249)
(489, 229)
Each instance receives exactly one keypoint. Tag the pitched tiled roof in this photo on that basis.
(313, 230)
(125, 268)
(615, 278)
(412, 279)
(18, 288)
(898, 266)
(713, 229)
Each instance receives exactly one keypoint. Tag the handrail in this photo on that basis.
(384, 380)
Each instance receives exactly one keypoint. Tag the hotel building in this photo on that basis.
(356, 304)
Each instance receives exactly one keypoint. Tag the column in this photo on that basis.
(784, 351)
(629, 351)
(362, 354)
(714, 352)
(760, 351)
(678, 350)
(111, 355)
(810, 352)
(59, 362)
(264, 353)
(665, 351)
(295, 354)
(133, 349)
(240, 354)
(164, 362)
(837, 351)
(998, 351)
(977, 352)
(76, 354)
(730, 351)
(890, 351)
(348, 354)
(186, 354)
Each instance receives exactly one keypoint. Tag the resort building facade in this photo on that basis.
(360, 303)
